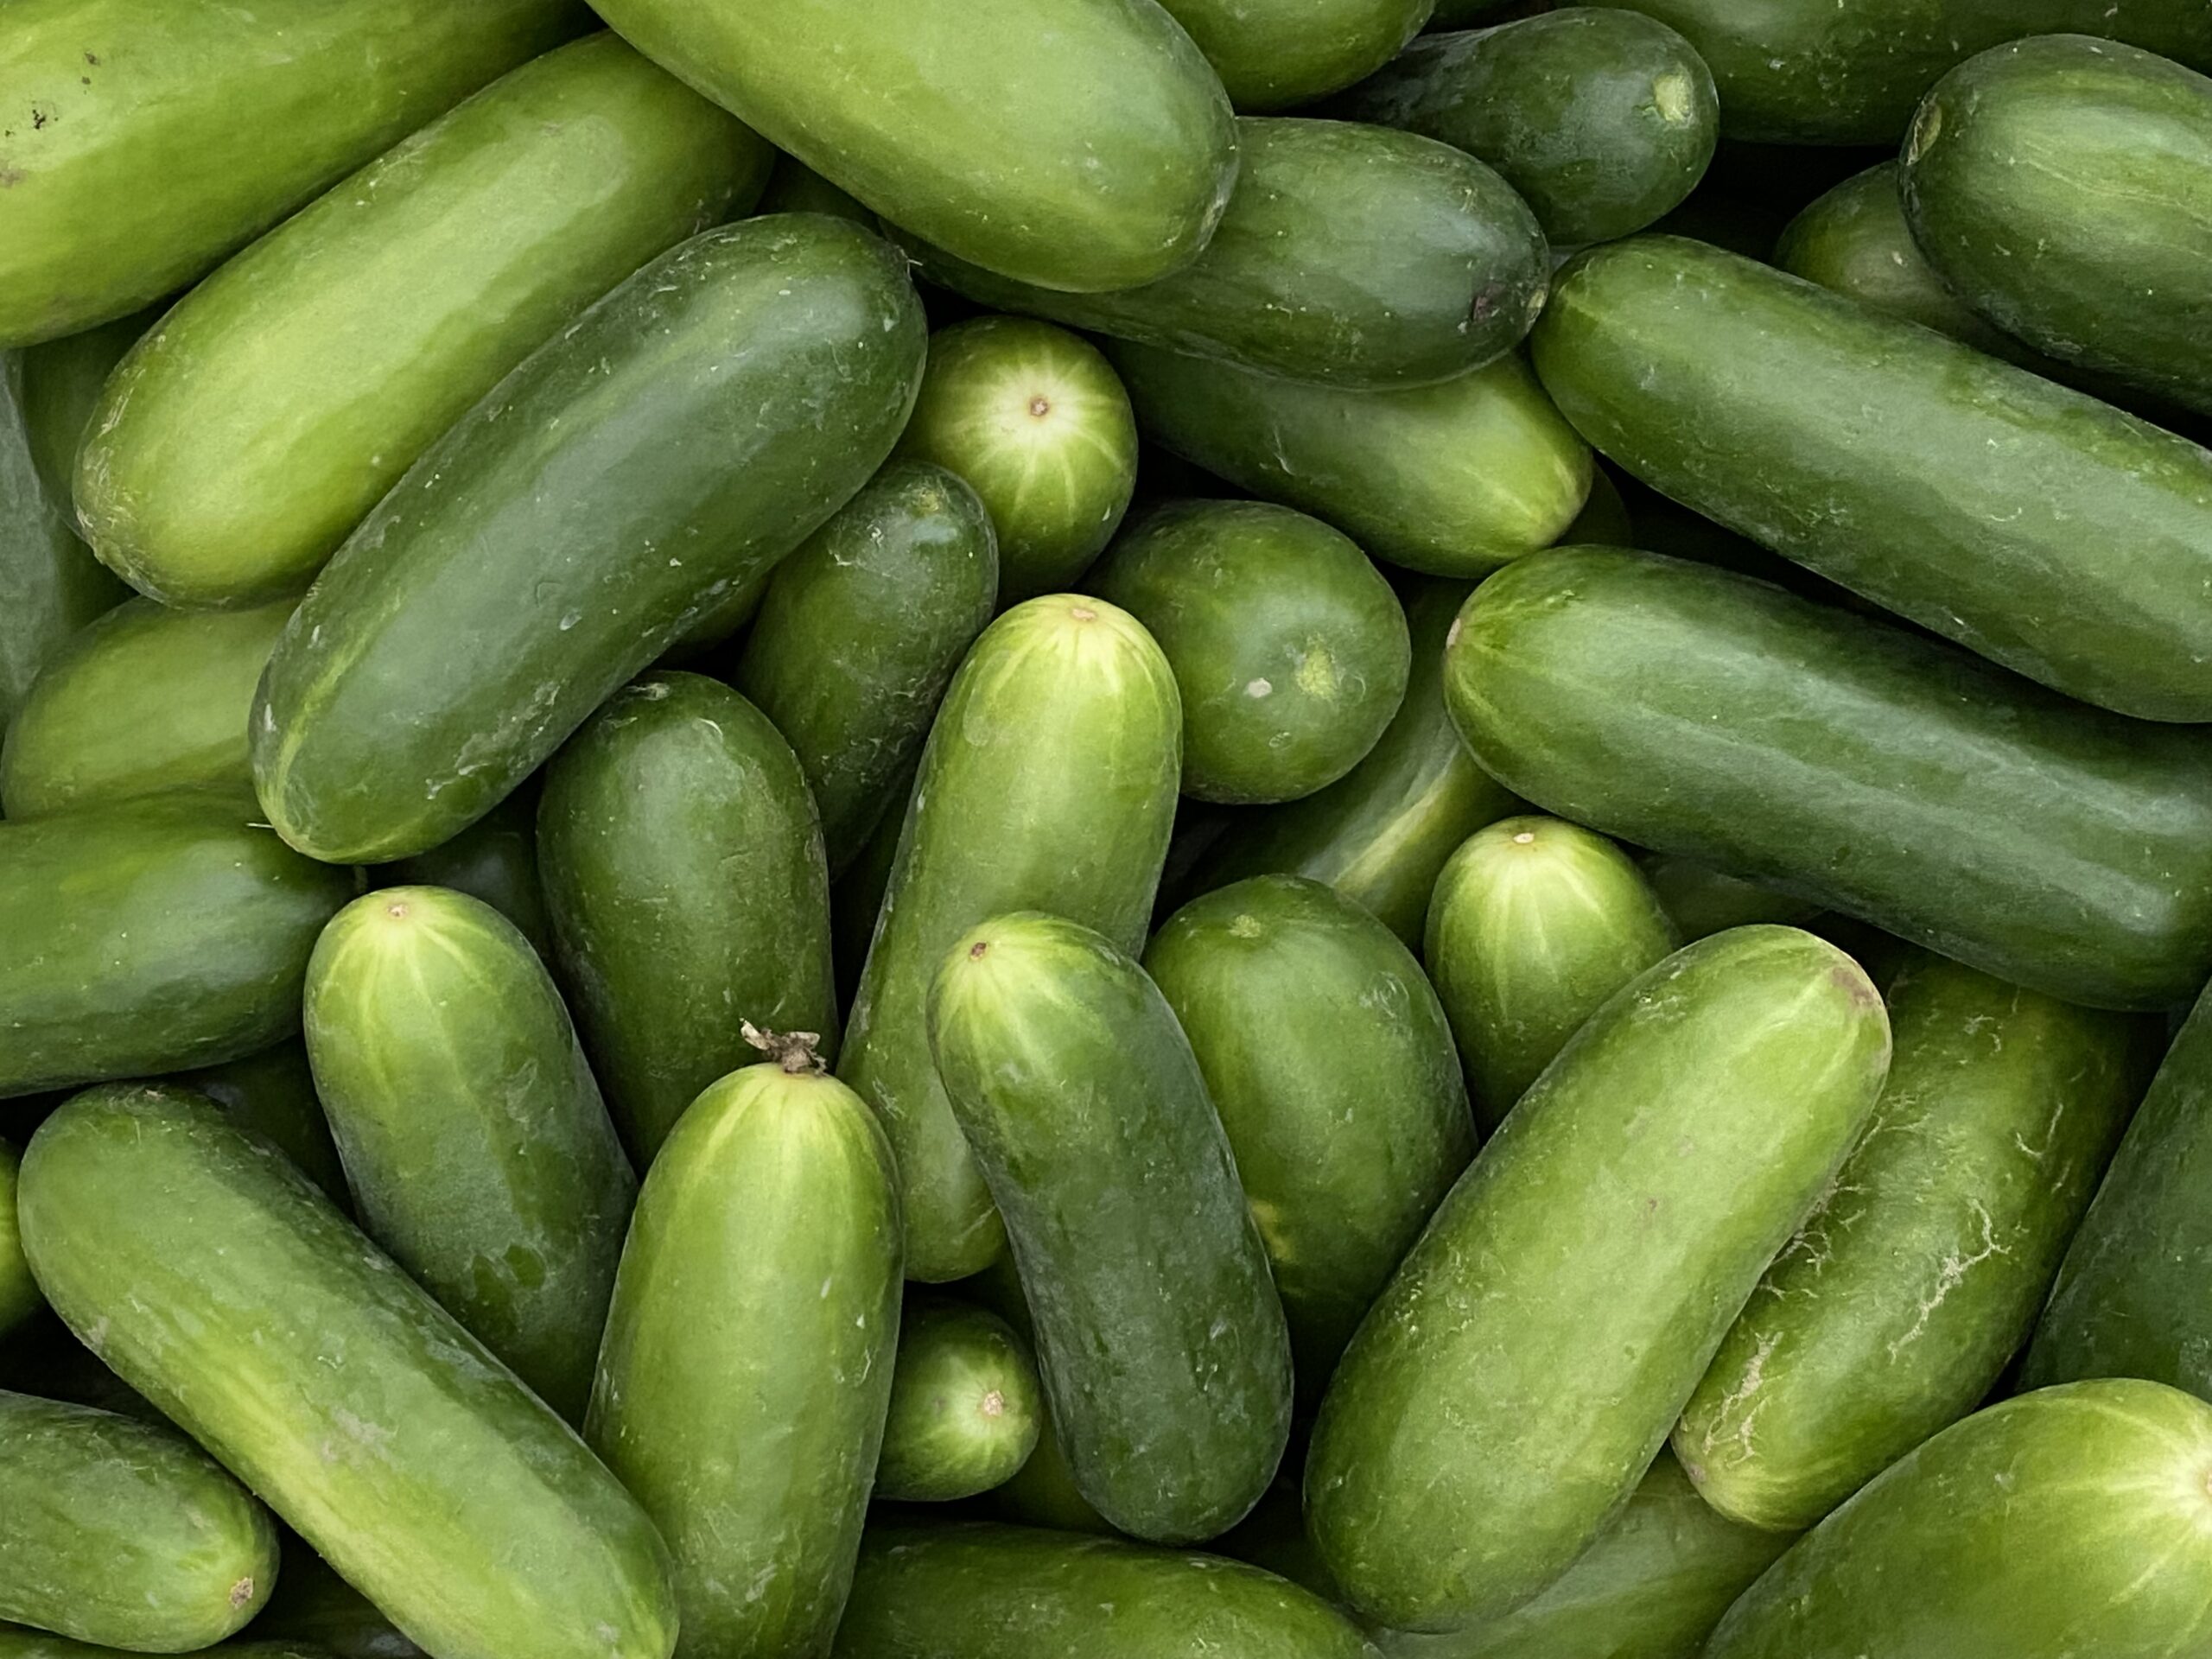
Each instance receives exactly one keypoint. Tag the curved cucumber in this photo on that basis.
(1049, 782)
(1454, 479)
(1533, 924)
(1350, 254)
(747, 1365)
(475, 1140)
(273, 1095)
(113, 1531)
(859, 634)
(19, 1292)
(1698, 712)
(1278, 53)
(270, 409)
(219, 915)
(669, 446)
(1158, 1329)
(216, 1281)
(1604, 120)
(1716, 380)
(129, 170)
(495, 859)
(966, 1404)
(1516, 1379)
(1330, 1061)
(145, 699)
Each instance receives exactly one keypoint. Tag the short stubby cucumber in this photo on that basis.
(1158, 1329)
(214, 1278)
(669, 446)
(19, 1292)
(271, 1094)
(1513, 1382)
(1048, 783)
(966, 1404)
(1277, 53)
(495, 859)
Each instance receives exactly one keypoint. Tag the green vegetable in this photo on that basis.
(966, 1404)
(1701, 902)
(795, 187)
(495, 859)
(272, 1094)
(322, 1614)
(1276, 53)
(19, 1292)
(18, 1643)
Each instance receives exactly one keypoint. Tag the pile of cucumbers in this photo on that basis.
(1106, 829)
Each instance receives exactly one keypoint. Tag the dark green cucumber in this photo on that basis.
(214, 1278)
(984, 1592)
(747, 1364)
(1048, 783)
(1697, 712)
(1158, 1329)
(1082, 144)
(1454, 479)
(474, 1141)
(1330, 1061)
(1037, 421)
(129, 171)
(795, 187)
(495, 859)
(1350, 254)
(1289, 649)
(2070, 1521)
(966, 1404)
(1716, 381)
(1604, 519)
(1701, 902)
(1278, 53)
(145, 699)
(1604, 120)
(113, 1531)
(273, 1095)
(859, 634)
(1380, 834)
(317, 1609)
(856, 896)
(17, 1642)
(19, 1293)
(1521, 1370)
(1532, 924)
(672, 444)
(219, 915)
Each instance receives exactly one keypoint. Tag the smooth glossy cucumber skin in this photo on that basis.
(1048, 783)
(114, 1531)
(1453, 480)
(272, 1094)
(1353, 255)
(1328, 1060)
(475, 1143)
(1716, 381)
(1697, 712)
(2069, 1521)
(1278, 53)
(1603, 120)
(143, 700)
(1533, 924)
(966, 1404)
(1891, 1313)
(129, 169)
(858, 636)
(669, 445)
(1509, 1387)
(19, 1292)
(986, 1592)
(220, 916)
(1160, 1334)
(214, 1278)
(748, 1363)
(495, 859)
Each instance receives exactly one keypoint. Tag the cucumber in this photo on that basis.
(856, 896)
(17, 1642)
(220, 916)
(795, 187)
(1700, 712)
(1081, 144)
(859, 635)
(1716, 381)
(984, 1592)
(145, 699)
(113, 1531)
(966, 1404)
(1604, 519)
(1049, 782)
(474, 1137)
(129, 169)
(2023, 1532)
(747, 1364)
(1701, 902)
(1160, 1333)
(19, 1292)
(1350, 254)
(1453, 480)
(1533, 925)
(1036, 421)
(1278, 53)
(1380, 834)
(1515, 1379)
(1604, 120)
(319, 1611)
(495, 859)
(1289, 649)
(62, 380)
(1043, 1492)
(214, 1278)
(1330, 1061)
(672, 443)
(272, 1094)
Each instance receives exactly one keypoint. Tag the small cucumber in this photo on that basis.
(1274, 54)
(273, 1095)
(966, 1404)
(495, 859)
(19, 1292)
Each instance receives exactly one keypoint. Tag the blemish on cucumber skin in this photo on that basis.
(1671, 97)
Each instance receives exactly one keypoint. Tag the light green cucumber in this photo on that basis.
(1274, 54)
(966, 1404)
